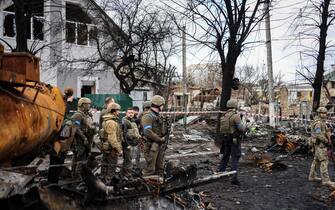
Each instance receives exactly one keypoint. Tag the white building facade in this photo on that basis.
(61, 31)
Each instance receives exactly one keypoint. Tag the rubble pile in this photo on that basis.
(290, 143)
(192, 200)
(266, 162)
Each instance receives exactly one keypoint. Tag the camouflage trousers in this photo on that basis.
(127, 158)
(130, 153)
(136, 154)
(108, 166)
(320, 160)
(80, 155)
(154, 157)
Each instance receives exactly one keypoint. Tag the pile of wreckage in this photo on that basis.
(280, 143)
(89, 189)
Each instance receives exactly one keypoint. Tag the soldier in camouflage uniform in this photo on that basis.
(108, 100)
(83, 122)
(320, 141)
(231, 129)
(111, 135)
(152, 123)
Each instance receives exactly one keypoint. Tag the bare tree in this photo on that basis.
(224, 27)
(27, 14)
(136, 44)
(249, 79)
(313, 23)
(309, 77)
(263, 84)
(205, 75)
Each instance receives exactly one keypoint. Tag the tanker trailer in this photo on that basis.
(31, 112)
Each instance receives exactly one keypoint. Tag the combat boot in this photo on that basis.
(329, 184)
(235, 181)
(314, 179)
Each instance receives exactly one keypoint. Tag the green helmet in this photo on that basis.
(157, 100)
(232, 103)
(147, 104)
(113, 106)
(84, 101)
(321, 110)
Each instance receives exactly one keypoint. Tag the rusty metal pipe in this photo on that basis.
(27, 123)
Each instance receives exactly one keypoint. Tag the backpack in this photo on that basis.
(66, 135)
(225, 127)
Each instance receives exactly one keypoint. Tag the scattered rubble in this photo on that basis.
(266, 162)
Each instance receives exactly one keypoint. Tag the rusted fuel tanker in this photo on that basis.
(31, 112)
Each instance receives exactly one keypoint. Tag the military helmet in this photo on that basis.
(321, 110)
(113, 106)
(147, 104)
(84, 100)
(157, 100)
(232, 103)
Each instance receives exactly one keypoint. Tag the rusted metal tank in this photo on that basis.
(29, 117)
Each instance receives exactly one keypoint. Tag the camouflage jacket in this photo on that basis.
(319, 132)
(152, 124)
(113, 131)
(83, 122)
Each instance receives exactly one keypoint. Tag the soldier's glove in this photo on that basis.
(235, 140)
(162, 141)
(85, 141)
(120, 153)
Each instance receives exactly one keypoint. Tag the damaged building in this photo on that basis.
(64, 31)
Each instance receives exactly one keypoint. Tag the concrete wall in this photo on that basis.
(138, 96)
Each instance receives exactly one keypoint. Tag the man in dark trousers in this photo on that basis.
(231, 129)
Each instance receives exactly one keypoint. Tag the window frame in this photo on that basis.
(32, 38)
(89, 42)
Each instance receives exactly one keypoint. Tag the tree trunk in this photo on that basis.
(227, 83)
(20, 23)
(317, 85)
(228, 71)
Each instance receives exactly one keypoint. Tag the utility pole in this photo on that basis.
(184, 76)
(269, 64)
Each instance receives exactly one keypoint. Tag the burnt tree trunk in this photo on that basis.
(228, 71)
(317, 84)
(21, 28)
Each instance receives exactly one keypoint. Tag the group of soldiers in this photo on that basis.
(232, 129)
(144, 133)
(135, 134)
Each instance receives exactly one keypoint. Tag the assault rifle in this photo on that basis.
(166, 130)
(331, 141)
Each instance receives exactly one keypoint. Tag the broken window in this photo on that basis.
(82, 34)
(79, 29)
(38, 24)
(292, 97)
(93, 35)
(299, 94)
(145, 96)
(9, 25)
(70, 32)
(34, 20)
